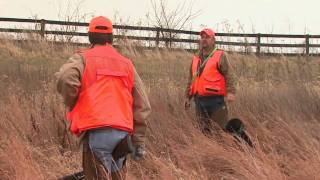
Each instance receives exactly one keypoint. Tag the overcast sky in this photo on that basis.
(260, 16)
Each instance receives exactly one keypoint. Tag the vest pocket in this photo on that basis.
(212, 79)
(210, 89)
(123, 76)
(108, 72)
(211, 85)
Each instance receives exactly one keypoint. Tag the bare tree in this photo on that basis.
(177, 18)
(71, 11)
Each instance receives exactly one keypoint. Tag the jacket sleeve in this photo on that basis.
(228, 72)
(141, 111)
(69, 80)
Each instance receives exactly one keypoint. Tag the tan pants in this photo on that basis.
(94, 169)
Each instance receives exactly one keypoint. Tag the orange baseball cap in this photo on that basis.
(101, 24)
(208, 32)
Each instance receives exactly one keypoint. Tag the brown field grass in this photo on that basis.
(278, 98)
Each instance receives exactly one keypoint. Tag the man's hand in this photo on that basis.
(187, 104)
(139, 153)
(231, 97)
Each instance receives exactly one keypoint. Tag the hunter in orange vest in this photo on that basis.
(105, 97)
(107, 103)
(211, 81)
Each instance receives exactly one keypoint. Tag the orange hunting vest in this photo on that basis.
(211, 81)
(105, 98)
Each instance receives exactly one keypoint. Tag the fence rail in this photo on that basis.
(172, 35)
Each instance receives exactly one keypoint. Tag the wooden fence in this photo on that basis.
(169, 36)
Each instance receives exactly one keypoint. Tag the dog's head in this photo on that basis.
(235, 125)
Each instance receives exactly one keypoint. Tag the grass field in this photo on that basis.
(278, 98)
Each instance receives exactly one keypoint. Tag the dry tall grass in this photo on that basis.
(278, 99)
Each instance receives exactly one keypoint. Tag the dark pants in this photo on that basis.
(211, 110)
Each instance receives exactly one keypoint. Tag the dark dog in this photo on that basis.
(236, 127)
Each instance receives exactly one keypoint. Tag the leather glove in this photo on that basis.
(187, 104)
(139, 153)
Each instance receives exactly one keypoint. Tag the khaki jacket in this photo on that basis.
(69, 82)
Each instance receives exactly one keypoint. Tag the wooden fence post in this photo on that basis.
(157, 38)
(43, 27)
(307, 45)
(258, 44)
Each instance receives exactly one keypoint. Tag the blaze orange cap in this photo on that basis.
(101, 24)
(208, 32)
